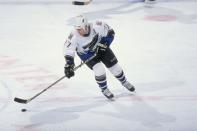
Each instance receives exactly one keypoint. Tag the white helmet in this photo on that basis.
(81, 22)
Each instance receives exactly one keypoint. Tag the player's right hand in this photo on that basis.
(69, 70)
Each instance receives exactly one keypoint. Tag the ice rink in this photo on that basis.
(155, 44)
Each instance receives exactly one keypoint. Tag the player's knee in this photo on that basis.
(116, 69)
(99, 69)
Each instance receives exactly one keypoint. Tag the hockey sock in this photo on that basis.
(117, 71)
(100, 75)
(121, 77)
(101, 81)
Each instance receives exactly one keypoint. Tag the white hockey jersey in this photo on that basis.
(77, 43)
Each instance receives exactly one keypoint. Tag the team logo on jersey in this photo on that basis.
(92, 44)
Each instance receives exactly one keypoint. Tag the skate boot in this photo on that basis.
(129, 86)
(106, 92)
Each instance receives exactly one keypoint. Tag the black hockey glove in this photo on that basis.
(69, 67)
(69, 70)
(102, 48)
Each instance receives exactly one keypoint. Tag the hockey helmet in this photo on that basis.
(81, 22)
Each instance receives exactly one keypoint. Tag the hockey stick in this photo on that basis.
(81, 3)
(25, 101)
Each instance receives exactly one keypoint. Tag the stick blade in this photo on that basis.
(19, 100)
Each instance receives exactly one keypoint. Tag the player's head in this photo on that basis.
(81, 25)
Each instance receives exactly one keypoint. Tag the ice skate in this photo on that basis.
(106, 92)
(129, 86)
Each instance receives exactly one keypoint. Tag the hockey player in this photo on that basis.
(87, 39)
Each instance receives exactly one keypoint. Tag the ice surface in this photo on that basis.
(155, 45)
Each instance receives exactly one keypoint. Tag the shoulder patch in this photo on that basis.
(67, 43)
(106, 27)
(94, 32)
(70, 36)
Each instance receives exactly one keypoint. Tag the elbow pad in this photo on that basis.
(69, 60)
(109, 38)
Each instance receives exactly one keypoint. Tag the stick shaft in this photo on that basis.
(25, 101)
